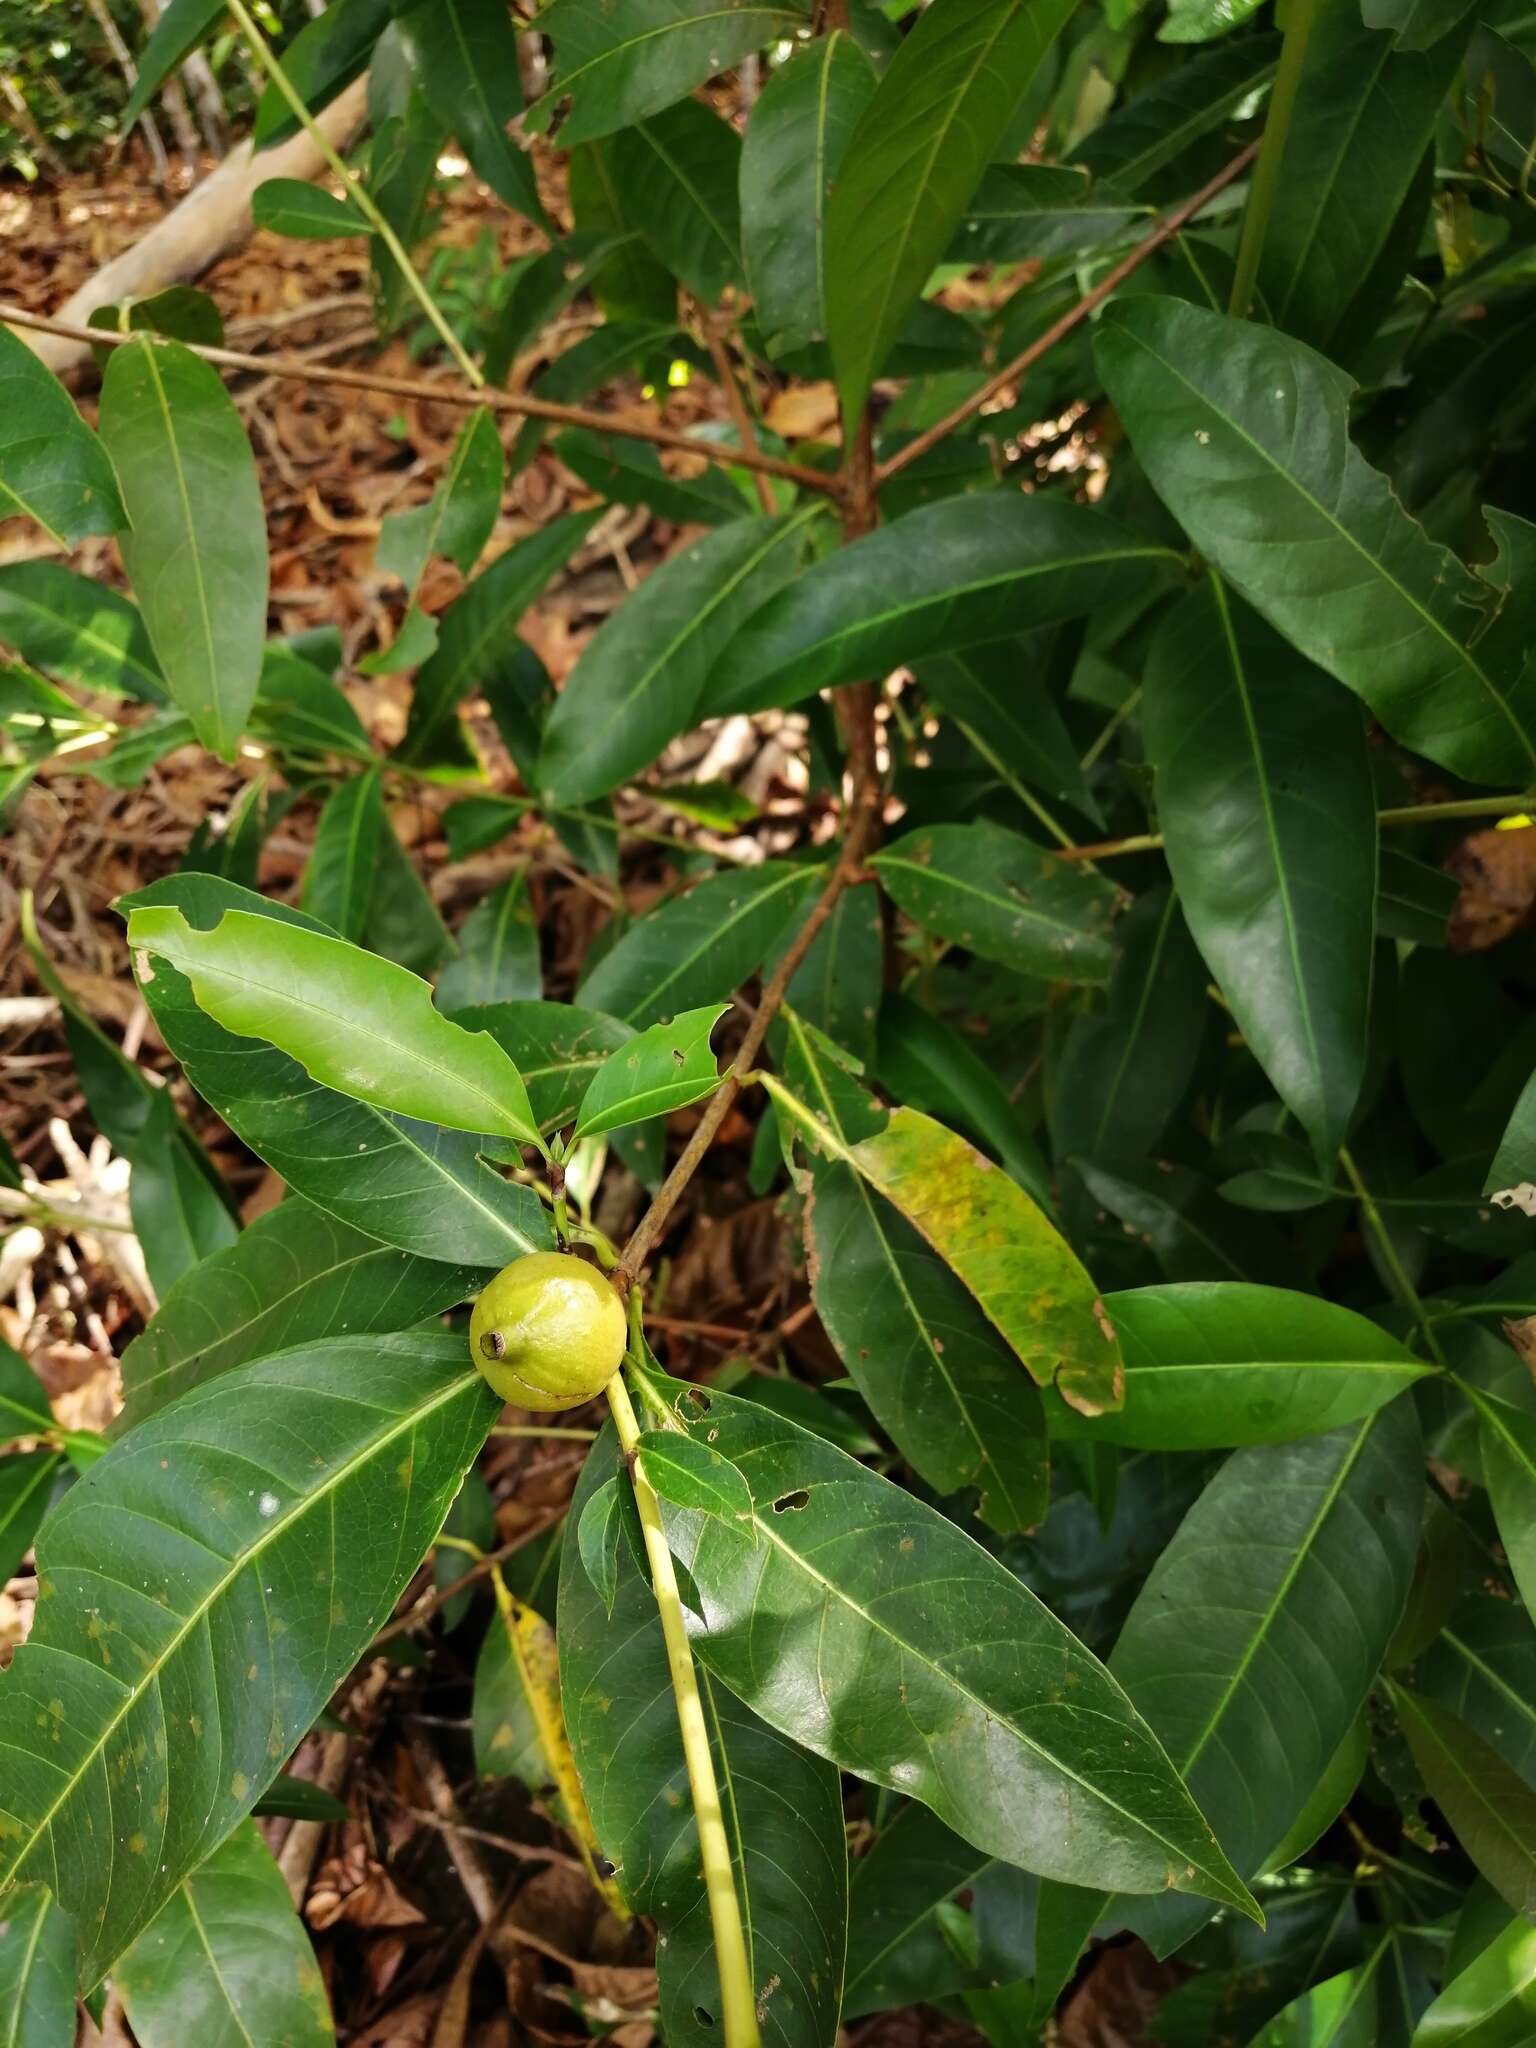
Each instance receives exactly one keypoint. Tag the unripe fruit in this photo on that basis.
(548, 1332)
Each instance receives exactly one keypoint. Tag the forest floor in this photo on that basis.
(447, 1911)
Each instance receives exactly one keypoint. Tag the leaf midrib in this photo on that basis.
(193, 551)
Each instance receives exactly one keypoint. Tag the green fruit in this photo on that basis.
(548, 1332)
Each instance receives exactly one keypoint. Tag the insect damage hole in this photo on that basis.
(789, 1503)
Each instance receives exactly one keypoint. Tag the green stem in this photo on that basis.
(737, 1999)
(1462, 807)
(355, 190)
(1296, 17)
(1394, 1265)
(522, 1429)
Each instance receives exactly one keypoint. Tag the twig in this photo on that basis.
(1398, 814)
(520, 403)
(426, 1607)
(735, 404)
(1165, 231)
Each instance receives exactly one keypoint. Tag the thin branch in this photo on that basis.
(1400, 814)
(1166, 229)
(521, 404)
(736, 405)
(427, 1606)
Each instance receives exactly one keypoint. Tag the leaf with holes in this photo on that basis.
(665, 1068)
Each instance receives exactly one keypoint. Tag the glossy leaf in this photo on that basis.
(77, 629)
(998, 697)
(629, 472)
(1212, 1365)
(339, 875)
(896, 1954)
(1507, 1439)
(558, 1048)
(292, 206)
(617, 63)
(26, 1480)
(784, 1821)
(37, 1971)
(1492, 2002)
(1245, 434)
(197, 550)
(834, 986)
(464, 53)
(1024, 213)
(412, 1185)
(1268, 811)
(687, 1473)
(218, 1505)
(663, 1069)
(794, 147)
(1003, 897)
(52, 467)
(1192, 1233)
(640, 679)
(227, 1958)
(353, 1021)
(294, 1276)
(699, 947)
(456, 520)
(947, 576)
(477, 639)
(498, 956)
(1492, 1810)
(678, 173)
(837, 1579)
(325, 55)
(913, 161)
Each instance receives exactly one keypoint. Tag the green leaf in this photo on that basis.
(1362, 144)
(24, 1407)
(1025, 213)
(1212, 1365)
(477, 640)
(1192, 1234)
(457, 519)
(699, 947)
(197, 551)
(353, 1021)
(912, 163)
(1003, 897)
(1008, 1724)
(1492, 2002)
(986, 1229)
(1492, 1810)
(179, 1216)
(941, 1383)
(639, 680)
(833, 986)
(1341, 2012)
(997, 696)
(1310, 534)
(339, 875)
(557, 1047)
(295, 1276)
(617, 62)
(951, 575)
(403, 921)
(226, 1959)
(301, 710)
(498, 956)
(412, 1185)
(464, 55)
(688, 1474)
(180, 28)
(1413, 900)
(599, 1538)
(665, 1068)
(77, 629)
(628, 283)
(1150, 134)
(896, 1954)
(1482, 1666)
(291, 1798)
(37, 1972)
(292, 206)
(26, 1481)
(794, 145)
(1123, 1073)
(678, 173)
(924, 1061)
(783, 1813)
(180, 311)
(52, 467)
(1268, 811)
(325, 55)
(1507, 1438)
(629, 472)
(181, 1588)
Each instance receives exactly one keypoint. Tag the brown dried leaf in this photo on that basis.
(1497, 873)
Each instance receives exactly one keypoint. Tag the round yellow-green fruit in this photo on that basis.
(548, 1332)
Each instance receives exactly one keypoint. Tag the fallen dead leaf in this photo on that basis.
(1497, 873)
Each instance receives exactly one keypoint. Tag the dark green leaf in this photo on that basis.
(292, 206)
(1147, 136)
(301, 710)
(291, 1798)
(665, 1068)
(197, 552)
(950, 575)
(998, 697)
(26, 1481)
(1413, 900)
(403, 921)
(498, 956)
(1245, 434)
(227, 1959)
(1210, 1365)
(640, 678)
(1007, 1724)
(464, 53)
(629, 472)
(689, 1474)
(180, 311)
(24, 1407)
(37, 1971)
(168, 1571)
(912, 163)
(678, 173)
(179, 1216)
(1492, 1810)
(794, 145)
(1192, 1234)
(325, 55)
(557, 1047)
(1024, 213)
(616, 61)
(1482, 1666)
(1268, 812)
(338, 878)
(180, 28)
(834, 985)
(1507, 1439)
(1003, 897)
(699, 947)
(52, 467)
(296, 1275)
(896, 1953)
(926, 1063)
(77, 629)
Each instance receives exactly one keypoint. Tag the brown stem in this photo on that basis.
(736, 405)
(518, 403)
(1166, 229)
